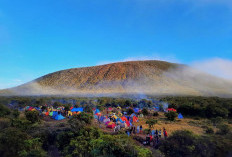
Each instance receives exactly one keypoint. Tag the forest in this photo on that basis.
(27, 133)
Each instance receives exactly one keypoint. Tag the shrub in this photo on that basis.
(4, 111)
(16, 113)
(145, 112)
(223, 129)
(151, 122)
(32, 116)
(171, 115)
(209, 130)
(155, 114)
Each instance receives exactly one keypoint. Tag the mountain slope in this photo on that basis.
(141, 77)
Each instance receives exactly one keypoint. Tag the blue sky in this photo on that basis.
(42, 36)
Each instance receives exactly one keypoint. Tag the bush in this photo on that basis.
(32, 116)
(16, 113)
(145, 112)
(4, 111)
(151, 122)
(130, 111)
(171, 115)
(209, 130)
(155, 114)
(223, 129)
(4, 123)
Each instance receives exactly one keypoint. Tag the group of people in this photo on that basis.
(155, 136)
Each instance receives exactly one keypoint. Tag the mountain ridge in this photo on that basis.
(147, 77)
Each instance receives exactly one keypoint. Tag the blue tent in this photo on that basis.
(55, 113)
(59, 117)
(180, 116)
(77, 109)
(97, 111)
(132, 115)
(136, 110)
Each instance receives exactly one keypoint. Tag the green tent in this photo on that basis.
(51, 114)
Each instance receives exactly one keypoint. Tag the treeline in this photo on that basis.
(206, 107)
(17, 102)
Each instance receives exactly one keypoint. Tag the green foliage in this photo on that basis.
(223, 129)
(88, 109)
(4, 111)
(22, 124)
(209, 130)
(67, 107)
(77, 122)
(145, 112)
(155, 114)
(180, 144)
(216, 121)
(15, 113)
(151, 122)
(32, 116)
(216, 110)
(33, 148)
(12, 142)
(171, 115)
(117, 145)
(202, 106)
(130, 111)
(4, 123)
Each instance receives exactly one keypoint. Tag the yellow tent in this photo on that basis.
(69, 113)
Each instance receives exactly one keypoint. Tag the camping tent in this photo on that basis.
(111, 125)
(97, 111)
(171, 109)
(55, 113)
(106, 120)
(180, 116)
(51, 113)
(136, 110)
(135, 119)
(80, 109)
(59, 117)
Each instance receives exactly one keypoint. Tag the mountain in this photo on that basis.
(133, 77)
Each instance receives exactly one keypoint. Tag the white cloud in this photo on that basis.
(216, 66)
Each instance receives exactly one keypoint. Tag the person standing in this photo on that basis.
(141, 128)
(165, 134)
(160, 133)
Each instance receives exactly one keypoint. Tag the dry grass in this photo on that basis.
(182, 124)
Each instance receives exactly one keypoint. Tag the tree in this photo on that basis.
(223, 129)
(4, 111)
(171, 115)
(77, 122)
(145, 112)
(32, 116)
(16, 113)
(130, 111)
(12, 142)
(184, 143)
(151, 122)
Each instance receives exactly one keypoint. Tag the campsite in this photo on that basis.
(106, 126)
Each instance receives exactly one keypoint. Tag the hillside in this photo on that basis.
(140, 77)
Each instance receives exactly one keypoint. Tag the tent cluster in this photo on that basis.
(112, 120)
(58, 113)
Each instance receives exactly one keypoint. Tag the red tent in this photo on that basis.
(135, 119)
(111, 125)
(110, 109)
(30, 108)
(47, 113)
(171, 109)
